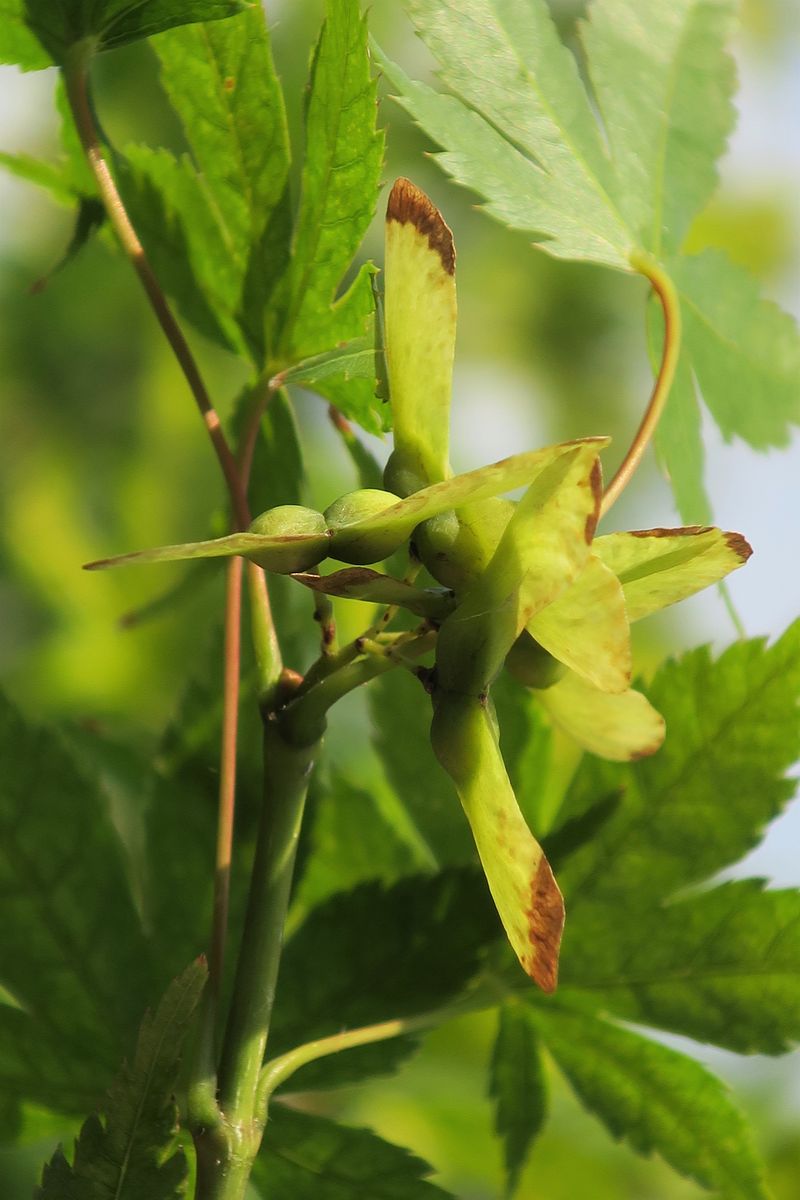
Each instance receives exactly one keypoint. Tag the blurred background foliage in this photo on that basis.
(102, 452)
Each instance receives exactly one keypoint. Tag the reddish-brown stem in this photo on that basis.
(668, 298)
(227, 769)
(78, 94)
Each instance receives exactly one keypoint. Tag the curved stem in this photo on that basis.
(668, 297)
(76, 81)
(284, 1066)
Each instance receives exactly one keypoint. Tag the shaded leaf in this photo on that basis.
(362, 583)
(722, 966)
(655, 1099)
(132, 1150)
(74, 955)
(351, 360)
(418, 941)
(221, 81)
(61, 24)
(518, 1087)
(44, 174)
(179, 231)
(401, 717)
(352, 840)
(306, 1157)
(338, 193)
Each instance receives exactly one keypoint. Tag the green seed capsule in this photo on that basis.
(531, 664)
(291, 521)
(456, 547)
(363, 546)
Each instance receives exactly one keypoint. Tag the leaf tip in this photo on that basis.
(545, 926)
(408, 204)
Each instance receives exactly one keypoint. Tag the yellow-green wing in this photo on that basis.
(543, 548)
(403, 517)
(658, 567)
(420, 335)
(519, 876)
(586, 628)
(271, 552)
(621, 727)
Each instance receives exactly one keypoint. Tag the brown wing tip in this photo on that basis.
(739, 545)
(408, 205)
(596, 485)
(545, 926)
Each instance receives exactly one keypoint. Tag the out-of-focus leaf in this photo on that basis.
(61, 24)
(663, 83)
(655, 1099)
(722, 966)
(19, 46)
(74, 955)
(305, 1157)
(352, 840)
(221, 80)
(745, 351)
(518, 1088)
(181, 235)
(131, 1150)
(417, 942)
(339, 189)
(43, 174)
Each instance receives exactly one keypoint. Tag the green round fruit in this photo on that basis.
(362, 547)
(532, 665)
(291, 521)
(401, 477)
(456, 547)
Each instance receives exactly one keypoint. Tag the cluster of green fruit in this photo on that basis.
(524, 584)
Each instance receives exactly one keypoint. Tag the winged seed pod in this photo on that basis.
(532, 586)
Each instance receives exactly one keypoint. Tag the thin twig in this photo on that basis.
(668, 297)
(78, 95)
